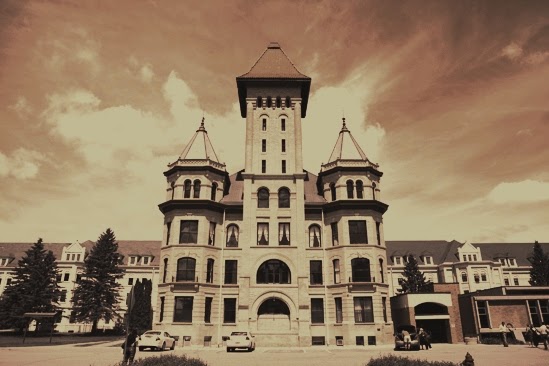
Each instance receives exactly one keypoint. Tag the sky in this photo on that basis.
(451, 98)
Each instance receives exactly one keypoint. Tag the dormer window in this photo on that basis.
(146, 260)
(428, 259)
(132, 260)
(4, 262)
(512, 262)
(397, 260)
(474, 257)
(502, 261)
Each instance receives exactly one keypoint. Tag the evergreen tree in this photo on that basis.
(539, 273)
(141, 314)
(414, 281)
(96, 294)
(34, 288)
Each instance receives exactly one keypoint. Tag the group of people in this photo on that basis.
(424, 339)
(538, 335)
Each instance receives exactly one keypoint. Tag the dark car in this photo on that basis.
(399, 337)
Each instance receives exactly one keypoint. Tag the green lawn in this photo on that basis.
(10, 340)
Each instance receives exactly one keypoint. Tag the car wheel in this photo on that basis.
(141, 349)
(173, 346)
(163, 348)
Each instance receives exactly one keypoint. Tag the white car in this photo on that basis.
(155, 340)
(241, 340)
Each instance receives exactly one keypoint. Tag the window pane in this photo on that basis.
(350, 189)
(183, 309)
(335, 234)
(317, 311)
(284, 234)
(361, 270)
(211, 234)
(186, 269)
(284, 198)
(339, 310)
(231, 267)
(314, 236)
(188, 232)
(316, 272)
(263, 198)
(363, 310)
(273, 271)
(357, 232)
(208, 310)
(229, 310)
(232, 236)
(263, 234)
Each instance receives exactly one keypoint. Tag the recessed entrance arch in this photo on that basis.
(434, 318)
(273, 315)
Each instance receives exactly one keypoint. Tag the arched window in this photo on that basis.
(263, 198)
(333, 191)
(359, 189)
(186, 269)
(210, 270)
(278, 102)
(381, 270)
(476, 276)
(464, 276)
(283, 198)
(187, 188)
(214, 191)
(232, 236)
(269, 102)
(196, 189)
(314, 236)
(349, 189)
(288, 102)
(259, 102)
(337, 277)
(273, 271)
(361, 270)
(483, 276)
(374, 190)
(165, 273)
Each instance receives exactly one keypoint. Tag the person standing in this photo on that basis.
(407, 339)
(543, 333)
(503, 330)
(130, 346)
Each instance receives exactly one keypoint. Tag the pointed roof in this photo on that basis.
(273, 69)
(346, 147)
(200, 146)
(198, 152)
(274, 64)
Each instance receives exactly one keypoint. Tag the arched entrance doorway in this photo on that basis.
(273, 315)
(434, 318)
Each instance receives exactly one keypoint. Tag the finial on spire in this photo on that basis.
(202, 123)
(344, 126)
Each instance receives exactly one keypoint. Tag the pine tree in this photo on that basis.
(34, 288)
(414, 281)
(539, 273)
(141, 315)
(96, 295)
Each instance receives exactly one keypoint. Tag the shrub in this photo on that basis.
(391, 360)
(495, 338)
(167, 360)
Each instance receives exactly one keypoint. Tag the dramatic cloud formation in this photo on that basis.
(450, 98)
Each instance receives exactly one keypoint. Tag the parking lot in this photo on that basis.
(105, 354)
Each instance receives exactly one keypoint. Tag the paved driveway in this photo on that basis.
(106, 355)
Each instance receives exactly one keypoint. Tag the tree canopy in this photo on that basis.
(539, 272)
(414, 280)
(141, 313)
(96, 295)
(34, 288)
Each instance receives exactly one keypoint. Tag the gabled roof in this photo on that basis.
(519, 251)
(199, 147)
(273, 64)
(346, 147)
(441, 250)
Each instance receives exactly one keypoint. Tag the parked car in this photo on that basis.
(155, 340)
(399, 337)
(240, 340)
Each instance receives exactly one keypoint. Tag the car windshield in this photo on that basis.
(152, 333)
(239, 333)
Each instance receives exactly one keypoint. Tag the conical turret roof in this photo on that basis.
(347, 151)
(200, 146)
(199, 151)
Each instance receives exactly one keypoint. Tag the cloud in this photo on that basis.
(512, 51)
(526, 191)
(536, 58)
(146, 73)
(22, 164)
(22, 107)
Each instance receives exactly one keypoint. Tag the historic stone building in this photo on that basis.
(294, 257)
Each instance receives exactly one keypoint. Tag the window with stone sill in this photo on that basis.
(314, 236)
(232, 236)
(284, 234)
(183, 311)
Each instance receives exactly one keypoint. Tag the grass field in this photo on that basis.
(11, 340)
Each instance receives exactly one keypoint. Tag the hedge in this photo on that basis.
(405, 361)
(167, 360)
